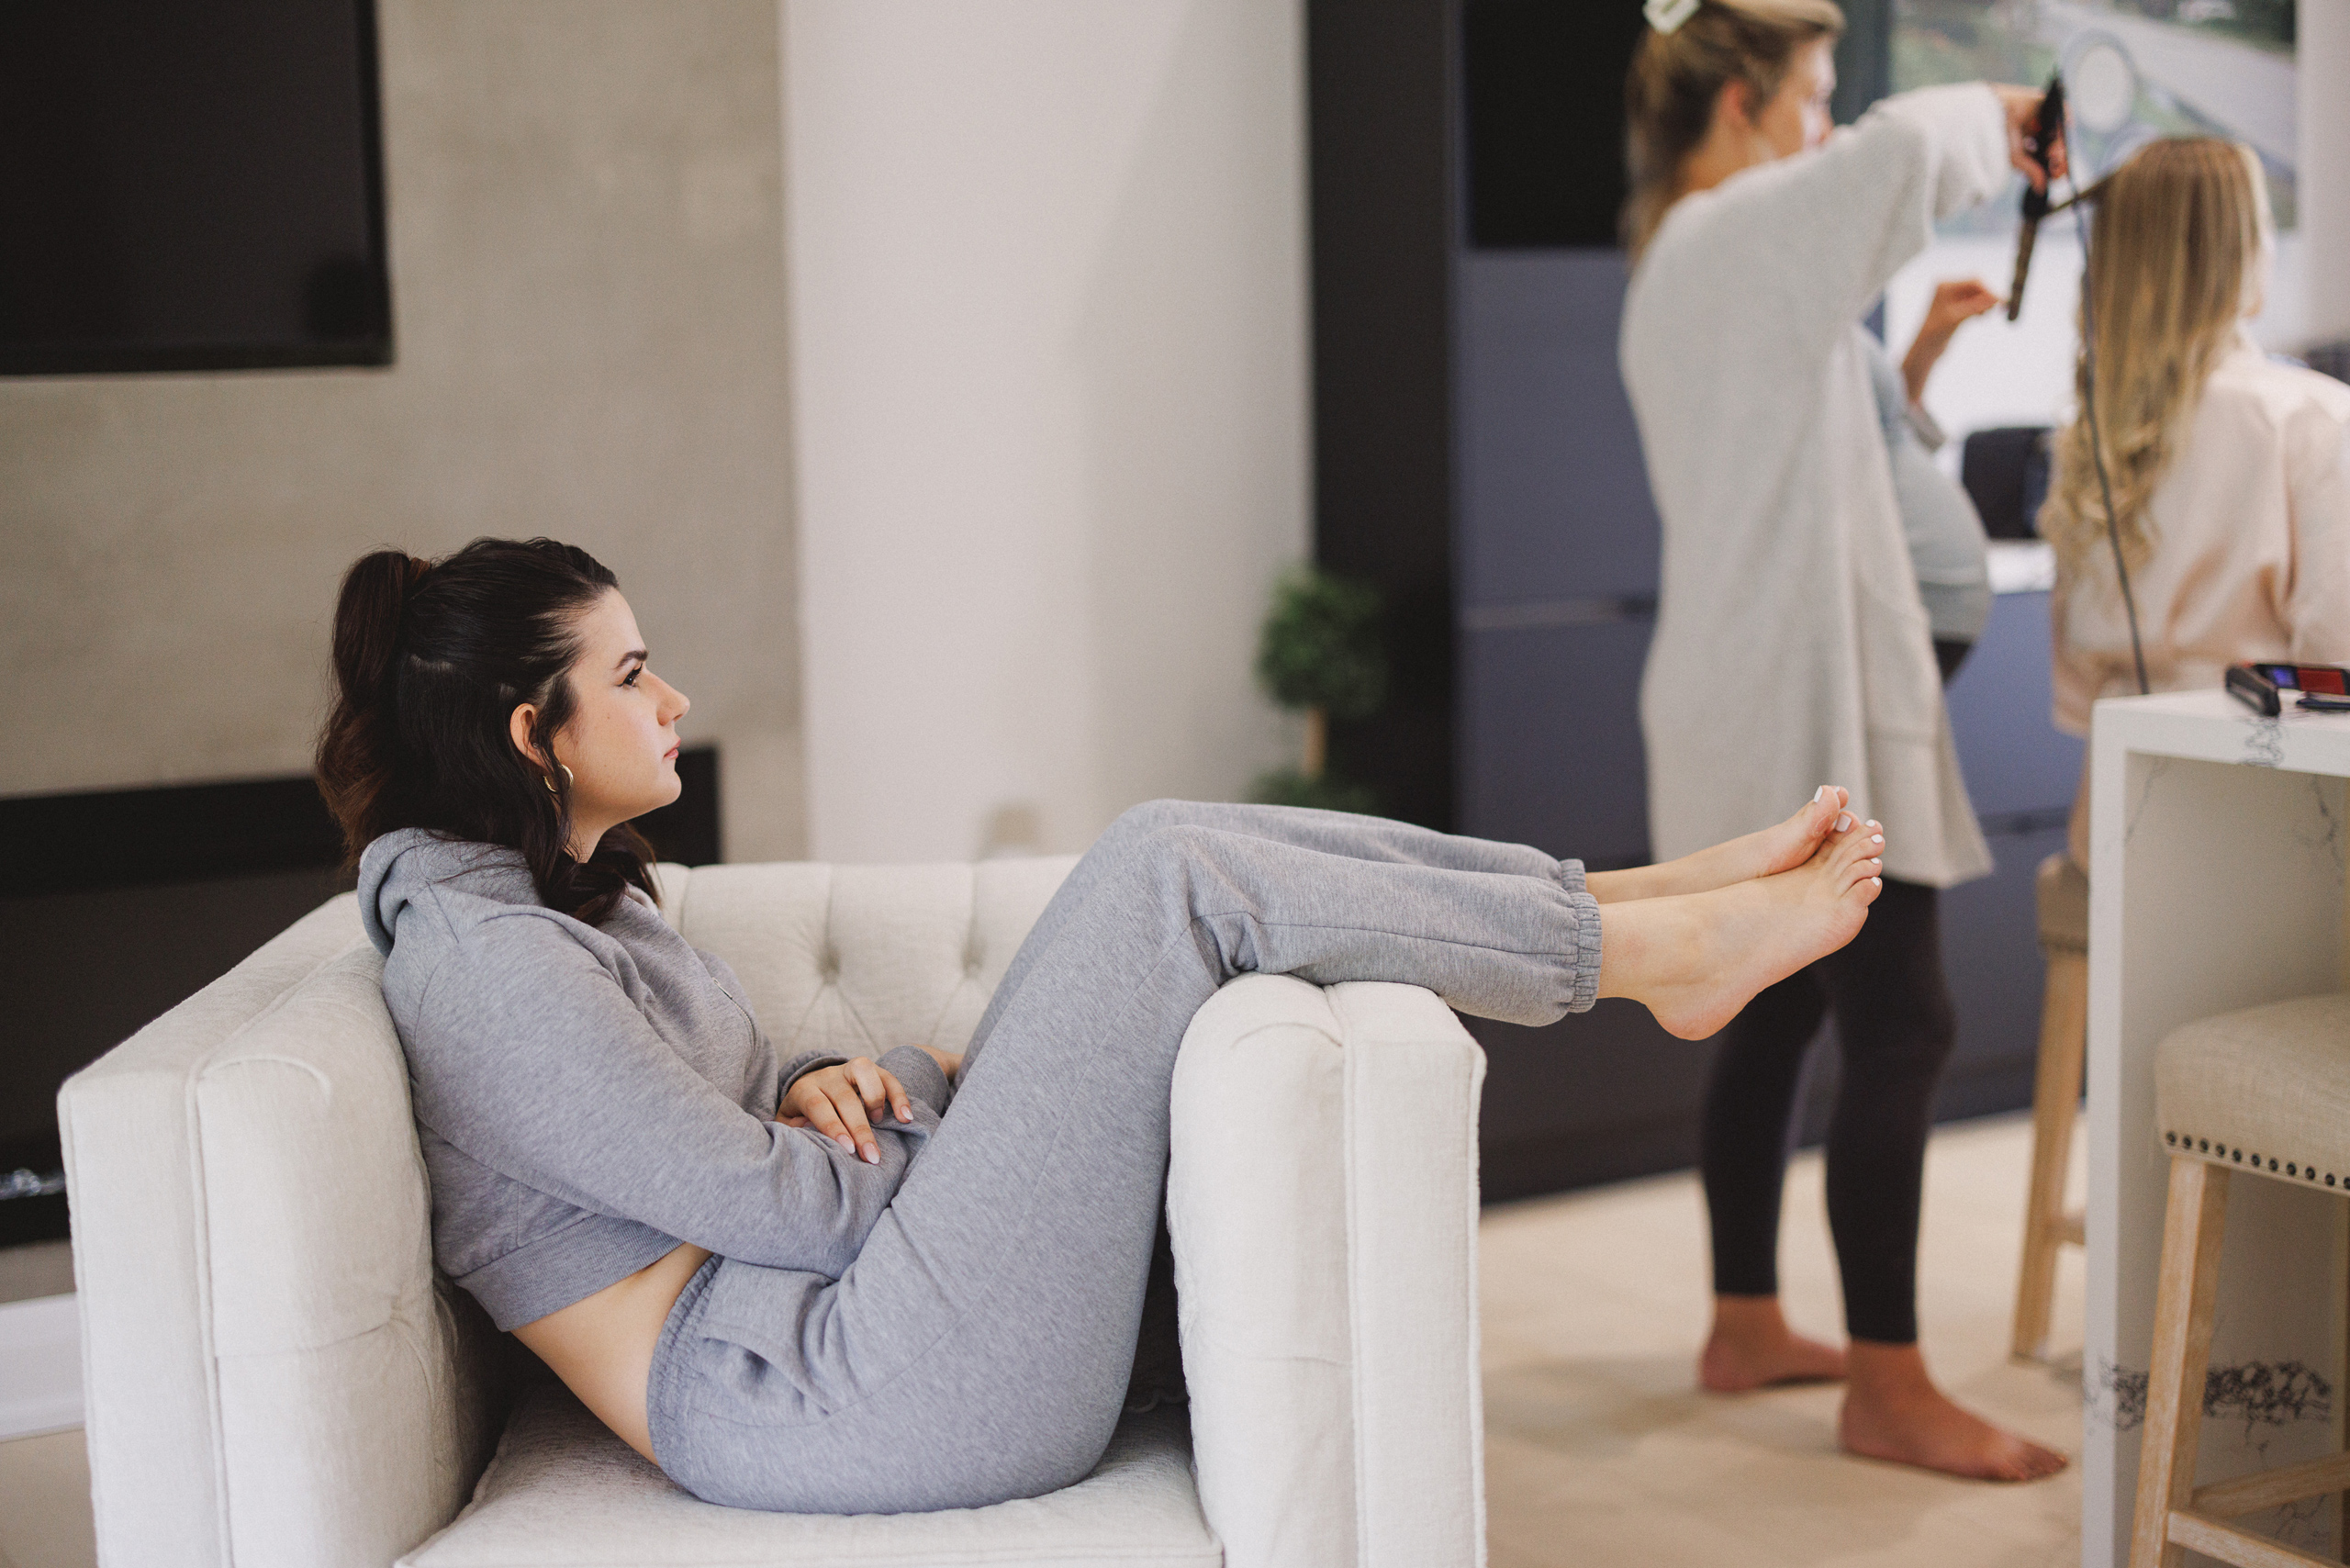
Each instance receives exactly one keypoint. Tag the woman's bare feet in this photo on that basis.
(1751, 1347)
(1893, 1411)
(1694, 959)
(1782, 847)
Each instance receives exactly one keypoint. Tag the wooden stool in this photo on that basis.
(2266, 1090)
(2056, 1096)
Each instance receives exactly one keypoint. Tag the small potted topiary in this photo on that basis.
(1320, 656)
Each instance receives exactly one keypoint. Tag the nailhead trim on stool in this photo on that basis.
(2188, 1142)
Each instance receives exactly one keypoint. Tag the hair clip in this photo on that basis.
(1666, 16)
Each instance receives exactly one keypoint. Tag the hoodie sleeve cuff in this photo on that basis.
(918, 1071)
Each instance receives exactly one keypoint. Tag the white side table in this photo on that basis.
(2216, 882)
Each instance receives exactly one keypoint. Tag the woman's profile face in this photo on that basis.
(621, 741)
(1797, 118)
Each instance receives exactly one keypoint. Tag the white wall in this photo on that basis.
(586, 223)
(1050, 383)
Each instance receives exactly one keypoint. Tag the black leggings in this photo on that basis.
(1895, 1023)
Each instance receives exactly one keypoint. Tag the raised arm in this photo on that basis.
(1806, 243)
(545, 1070)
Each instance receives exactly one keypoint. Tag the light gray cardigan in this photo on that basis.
(1792, 648)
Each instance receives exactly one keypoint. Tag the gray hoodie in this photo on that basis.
(589, 1097)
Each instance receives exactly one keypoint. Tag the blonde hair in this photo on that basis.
(2176, 257)
(1677, 77)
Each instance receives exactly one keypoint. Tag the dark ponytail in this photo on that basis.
(430, 660)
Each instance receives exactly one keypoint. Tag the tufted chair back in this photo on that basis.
(851, 961)
(275, 1374)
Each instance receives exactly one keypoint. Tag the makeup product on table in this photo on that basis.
(2322, 688)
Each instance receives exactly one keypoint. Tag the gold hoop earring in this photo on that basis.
(548, 778)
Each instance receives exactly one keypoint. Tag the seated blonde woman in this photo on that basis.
(2230, 471)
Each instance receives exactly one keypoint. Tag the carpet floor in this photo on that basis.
(1601, 1450)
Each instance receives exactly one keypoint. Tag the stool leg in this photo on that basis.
(2055, 1099)
(2190, 1289)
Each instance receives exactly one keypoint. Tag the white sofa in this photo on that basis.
(276, 1375)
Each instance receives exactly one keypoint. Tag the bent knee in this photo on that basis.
(1179, 849)
(1151, 816)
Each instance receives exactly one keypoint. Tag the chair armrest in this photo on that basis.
(274, 1373)
(1321, 1196)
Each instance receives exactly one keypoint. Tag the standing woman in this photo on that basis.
(1792, 641)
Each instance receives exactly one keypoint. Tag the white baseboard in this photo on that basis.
(41, 1366)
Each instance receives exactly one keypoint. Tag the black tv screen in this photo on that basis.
(190, 186)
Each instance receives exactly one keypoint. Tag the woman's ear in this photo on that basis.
(1734, 107)
(519, 724)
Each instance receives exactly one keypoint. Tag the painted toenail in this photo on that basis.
(1820, 794)
(1844, 822)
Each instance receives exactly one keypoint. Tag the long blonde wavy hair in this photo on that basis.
(2177, 256)
(1677, 77)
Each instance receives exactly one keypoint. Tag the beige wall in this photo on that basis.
(1049, 369)
(588, 289)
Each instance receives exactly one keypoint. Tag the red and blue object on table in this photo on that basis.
(2323, 688)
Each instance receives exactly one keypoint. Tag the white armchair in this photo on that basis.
(276, 1374)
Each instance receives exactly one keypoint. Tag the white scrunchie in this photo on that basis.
(1666, 16)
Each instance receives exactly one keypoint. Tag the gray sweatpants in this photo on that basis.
(978, 1347)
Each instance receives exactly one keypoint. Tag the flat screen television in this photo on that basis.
(190, 186)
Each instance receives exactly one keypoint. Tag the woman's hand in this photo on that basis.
(2022, 105)
(1955, 301)
(843, 1101)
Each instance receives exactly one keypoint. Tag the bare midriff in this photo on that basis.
(602, 1346)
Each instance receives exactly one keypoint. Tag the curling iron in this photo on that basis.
(2048, 130)
(2047, 133)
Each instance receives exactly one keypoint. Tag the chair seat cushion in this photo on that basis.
(564, 1492)
(2267, 1087)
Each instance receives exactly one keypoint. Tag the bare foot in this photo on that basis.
(1782, 847)
(1751, 1347)
(1893, 1411)
(1694, 959)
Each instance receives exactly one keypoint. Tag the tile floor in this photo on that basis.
(1599, 1449)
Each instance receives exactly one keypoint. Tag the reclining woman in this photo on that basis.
(857, 1286)
(2230, 472)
